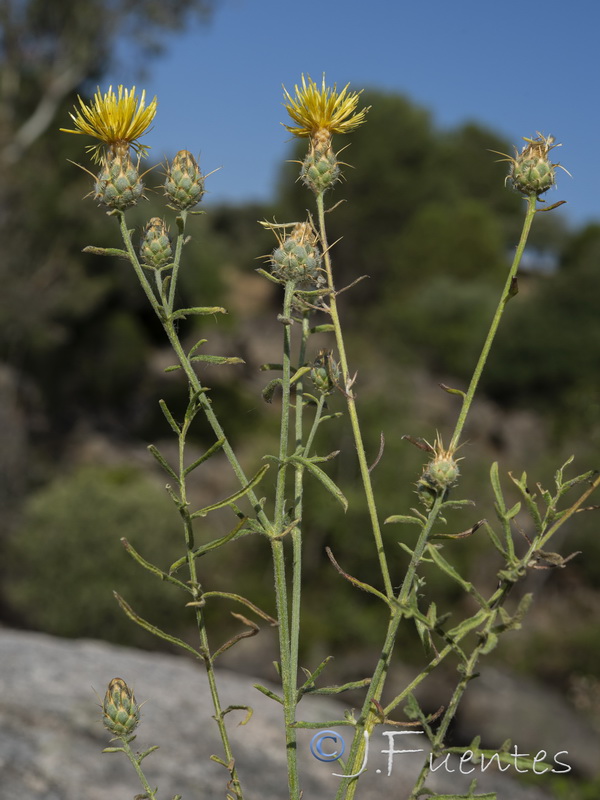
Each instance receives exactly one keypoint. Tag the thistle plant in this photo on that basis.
(307, 378)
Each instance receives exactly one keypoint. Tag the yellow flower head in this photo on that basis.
(117, 120)
(315, 110)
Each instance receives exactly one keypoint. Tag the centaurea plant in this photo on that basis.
(302, 264)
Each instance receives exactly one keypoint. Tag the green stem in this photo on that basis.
(507, 293)
(315, 425)
(193, 379)
(352, 413)
(296, 534)
(288, 659)
(369, 717)
(150, 793)
(181, 220)
(234, 782)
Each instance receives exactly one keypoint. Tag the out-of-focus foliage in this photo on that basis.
(68, 559)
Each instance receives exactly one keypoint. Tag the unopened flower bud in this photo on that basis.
(325, 373)
(121, 713)
(184, 185)
(320, 169)
(155, 248)
(531, 171)
(298, 259)
(118, 184)
(439, 475)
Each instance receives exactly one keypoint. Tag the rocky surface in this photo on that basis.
(51, 737)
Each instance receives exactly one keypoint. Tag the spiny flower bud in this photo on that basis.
(118, 184)
(298, 259)
(439, 475)
(320, 169)
(121, 713)
(325, 373)
(155, 248)
(184, 185)
(531, 171)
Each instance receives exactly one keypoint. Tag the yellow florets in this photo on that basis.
(118, 120)
(317, 109)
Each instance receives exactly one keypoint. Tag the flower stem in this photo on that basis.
(507, 293)
(288, 652)
(352, 413)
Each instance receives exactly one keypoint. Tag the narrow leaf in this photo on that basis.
(323, 477)
(300, 373)
(244, 601)
(248, 709)
(182, 313)
(210, 452)
(450, 390)
(270, 388)
(326, 328)
(198, 344)
(404, 518)
(169, 417)
(233, 497)
(148, 626)
(205, 548)
(355, 582)
(268, 693)
(252, 630)
(162, 461)
(218, 359)
(129, 548)
(106, 251)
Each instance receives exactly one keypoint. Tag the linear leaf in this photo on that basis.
(205, 548)
(151, 567)
(323, 477)
(211, 451)
(169, 417)
(148, 626)
(182, 313)
(162, 461)
(404, 518)
(233, 497)
(218, 359)
(244, 601)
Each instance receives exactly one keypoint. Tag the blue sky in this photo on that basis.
(516, 67)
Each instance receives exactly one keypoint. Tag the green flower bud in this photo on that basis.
(155, 247)
(439, 475)
(320, 169)
(121, 713)
(531, 171)
(298, 259)
(325, 373)
(184, 185)
(118, 184)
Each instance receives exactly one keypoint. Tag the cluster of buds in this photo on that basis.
(184, 185)
(297, 259)
(120, 712)
(325, 373)
(155, 248)
(439, 475)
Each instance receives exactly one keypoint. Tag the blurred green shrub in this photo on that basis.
(65, 559)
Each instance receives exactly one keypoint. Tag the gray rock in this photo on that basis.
(51, 736)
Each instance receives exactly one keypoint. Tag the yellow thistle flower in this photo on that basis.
(322, 109)
(117, 120)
